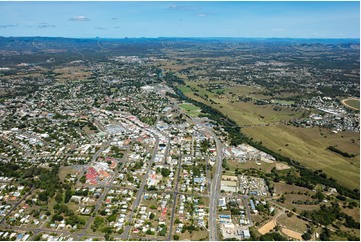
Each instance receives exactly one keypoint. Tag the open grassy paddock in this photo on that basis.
(292, 223)
(244, 113)
(308, 146)
(65, 170)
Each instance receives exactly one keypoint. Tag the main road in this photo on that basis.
(212, 221)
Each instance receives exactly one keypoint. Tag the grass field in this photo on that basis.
(353, 103)
(65, 170)
(281, 187)
(308, 146)
(283, 102)
(190, 109)
(244, 113)
(355, 213)
(265, 167)
(292, 223)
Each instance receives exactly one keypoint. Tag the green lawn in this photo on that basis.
(190, 109)
(353, 103)
(309, 146)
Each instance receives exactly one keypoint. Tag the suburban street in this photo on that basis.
(175, 195)
(141, 190)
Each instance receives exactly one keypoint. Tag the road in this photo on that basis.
(141, 190)
(245, 202)
(15, 206)
(97, 207)
(215, 185)
(94, 158)
(175, 195)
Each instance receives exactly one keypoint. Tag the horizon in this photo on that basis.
(187, 37)
(117, 20)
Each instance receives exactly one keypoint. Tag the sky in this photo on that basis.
(181, 19)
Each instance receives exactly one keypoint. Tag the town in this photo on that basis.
(118, 150)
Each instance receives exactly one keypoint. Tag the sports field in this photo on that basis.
(190, 109)
(352, 103)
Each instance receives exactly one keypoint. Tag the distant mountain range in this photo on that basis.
(15, 50)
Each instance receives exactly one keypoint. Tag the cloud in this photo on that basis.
(8, 26)
(79, 19)
(45, 25)
(114, 18)
(278, 30)
(102, 28)
(183, 7)
(202, 15)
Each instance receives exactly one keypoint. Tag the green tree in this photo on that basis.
(306, 236)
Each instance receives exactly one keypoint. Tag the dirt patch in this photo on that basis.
(355, 213)
(292, 223)
(281, 187)
(63, 171)
(281, 166)
(267, 227)
(292, 234)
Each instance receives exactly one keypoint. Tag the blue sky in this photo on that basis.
(181, 19)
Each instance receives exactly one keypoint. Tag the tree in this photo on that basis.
(319, 196)
(83, 179)
(176, 237)
(57, 217)
(151, 216)
(107, 230)
(43, 196)
(281, 199)
(325, 235)
(165, 172)
(306, 236)
(98, 221)
(163, 231)
(59, 197)
(112, 218)
(68, 195)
